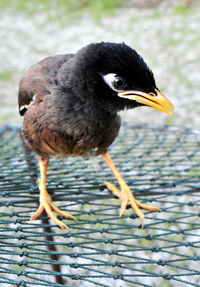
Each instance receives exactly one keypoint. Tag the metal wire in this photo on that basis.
(162, 167)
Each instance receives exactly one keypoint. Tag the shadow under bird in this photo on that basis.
(70, 106)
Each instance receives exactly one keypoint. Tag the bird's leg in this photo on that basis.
(45, 198)
(125, 194)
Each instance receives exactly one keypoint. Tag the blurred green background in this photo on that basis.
(165, 32)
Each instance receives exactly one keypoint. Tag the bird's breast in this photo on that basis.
(93, 138)
(54, 130)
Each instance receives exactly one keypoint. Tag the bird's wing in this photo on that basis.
(39, 79)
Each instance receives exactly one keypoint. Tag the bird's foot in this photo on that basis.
(127, 196)
(47, 205)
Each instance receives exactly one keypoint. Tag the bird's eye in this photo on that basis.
(115, 82)
(119, 83)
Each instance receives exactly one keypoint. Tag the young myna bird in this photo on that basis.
(70, 105)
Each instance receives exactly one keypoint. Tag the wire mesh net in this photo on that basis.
(162, 167)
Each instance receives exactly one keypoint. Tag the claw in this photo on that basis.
(48, 207)
(125, 194)
(46, 203)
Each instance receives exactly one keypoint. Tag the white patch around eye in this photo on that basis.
(24, 108)
(109, 79)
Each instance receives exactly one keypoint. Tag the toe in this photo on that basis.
(61, 212)
(123, 207)
(112, 188)
(38, 212)
(147, 207)
(53, 217)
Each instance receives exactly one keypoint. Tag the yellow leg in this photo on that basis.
(46, 201)
(125, 194)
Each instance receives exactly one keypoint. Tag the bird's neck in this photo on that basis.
(96, 112)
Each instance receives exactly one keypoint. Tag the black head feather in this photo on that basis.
(95, 60)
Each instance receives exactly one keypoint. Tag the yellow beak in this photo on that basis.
(155, 100)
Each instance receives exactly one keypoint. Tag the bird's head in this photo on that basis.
(116, 77)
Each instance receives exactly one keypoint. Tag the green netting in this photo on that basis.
(162, 166)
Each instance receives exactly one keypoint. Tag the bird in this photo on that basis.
(70, 105)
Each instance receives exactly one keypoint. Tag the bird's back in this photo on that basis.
(39, 78)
